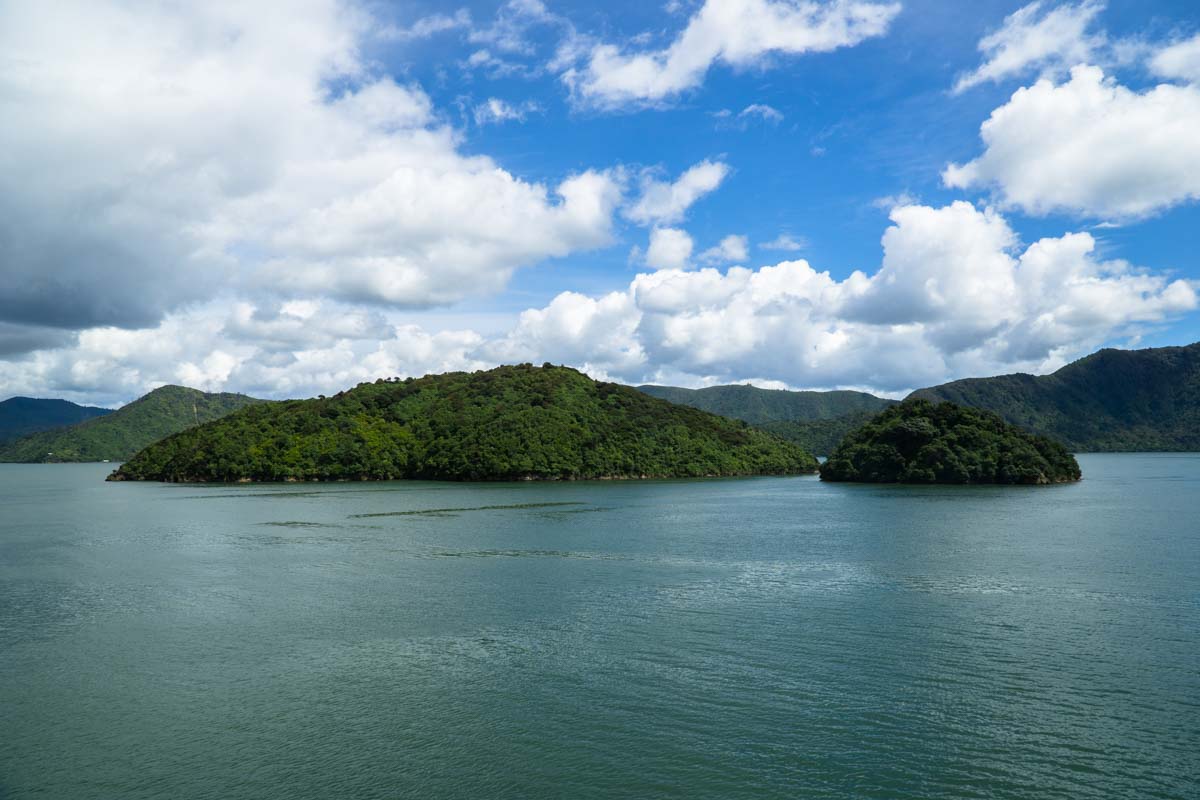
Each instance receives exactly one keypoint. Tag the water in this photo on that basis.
(771, 637)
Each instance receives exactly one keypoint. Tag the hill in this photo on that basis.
(514, 422)
(759, 406)
(816, 421)
(817, 436)
(117, 436)
(20, 416)
(1112, 400)
(920, 441)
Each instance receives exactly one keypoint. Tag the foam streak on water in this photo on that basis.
(771, 637)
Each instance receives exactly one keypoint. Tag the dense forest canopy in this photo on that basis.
(920, 441)
(1113, 400)
(117, 436)
(513, 422)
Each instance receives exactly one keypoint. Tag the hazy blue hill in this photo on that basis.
(758, 406)
(1113, 400)
(920, 441)
(20, 416)
(514, 422)
(117, 436)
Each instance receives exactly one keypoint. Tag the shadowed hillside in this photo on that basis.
(117, 436)
(1113, 400)
(920, 441)
(21, 416)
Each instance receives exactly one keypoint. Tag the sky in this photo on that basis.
(289, 198)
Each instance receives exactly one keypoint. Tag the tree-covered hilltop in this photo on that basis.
(117, 436)
(1113, 400)
(513, 422)
(762, 406)
(21, 416)
(923, 442)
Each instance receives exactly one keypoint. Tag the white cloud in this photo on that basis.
(670, 248)
(508, 33)
(598, 334)
(1091, 147)
(785, 242)
(742, 120)
(956, 294)
(301, 325)
(738, 33)
(495, 111)
(663, 203)
(1038, 37)
(730, 250)
(426, 27)
(762, 111)
(169, 152)
(1180, 60)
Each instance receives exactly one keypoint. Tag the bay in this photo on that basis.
(768, 637)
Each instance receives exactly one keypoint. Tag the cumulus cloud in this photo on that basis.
(664, 203)
(738, 33)
(670, 248)
(1089, 146)
(597, 334)
(730, 250)
(301, 325)
(1179, 61)
(172, 151)
(1038, 37)
(956, 294)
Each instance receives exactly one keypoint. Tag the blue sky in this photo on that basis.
(373, 188)
(859, 124)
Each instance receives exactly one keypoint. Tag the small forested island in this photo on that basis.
(920, 441)
(511, 423)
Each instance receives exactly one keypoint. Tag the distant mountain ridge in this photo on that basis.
(1112, 400)
(118, 435)
(758, 406)
(21, 416)
(816, 421)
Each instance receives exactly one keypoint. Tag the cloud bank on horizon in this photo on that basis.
(288, 200)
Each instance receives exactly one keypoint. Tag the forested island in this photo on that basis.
(509, 423)
(920, 441)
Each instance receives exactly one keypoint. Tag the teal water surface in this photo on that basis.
(771, 637)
